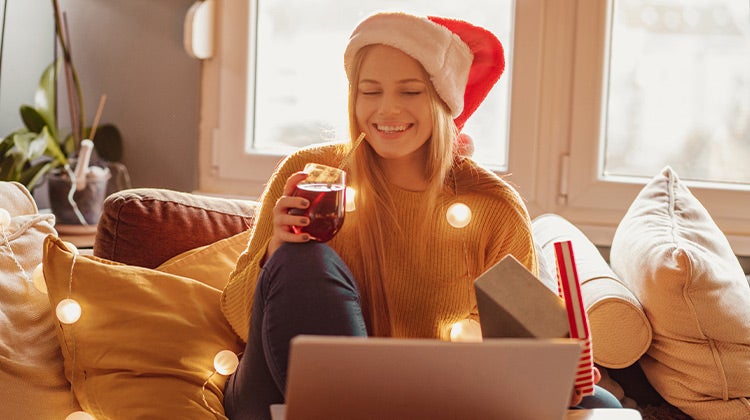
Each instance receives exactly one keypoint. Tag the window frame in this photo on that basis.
(558, 80)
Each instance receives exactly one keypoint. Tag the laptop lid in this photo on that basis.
(388, 378)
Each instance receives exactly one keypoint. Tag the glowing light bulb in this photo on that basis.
(68, 311)
(225, 362)
(80, 415)
(37, 277)
(458, 215)
(4, 218)
(350, 193)
(467, 331)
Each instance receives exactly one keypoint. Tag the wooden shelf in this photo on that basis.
(78, 235)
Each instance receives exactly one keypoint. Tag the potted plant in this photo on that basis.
(39, 152)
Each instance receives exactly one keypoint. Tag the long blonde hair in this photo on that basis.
(375, 208)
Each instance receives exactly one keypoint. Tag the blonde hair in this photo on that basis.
(374, 203)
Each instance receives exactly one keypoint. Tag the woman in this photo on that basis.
(396, 268)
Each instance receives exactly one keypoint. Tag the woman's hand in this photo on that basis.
(283, 221)
(576, 397)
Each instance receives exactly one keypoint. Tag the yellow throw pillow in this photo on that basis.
(681, 267)
(210, 264)
(145, 342)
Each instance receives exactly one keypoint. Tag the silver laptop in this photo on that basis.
(387, 378)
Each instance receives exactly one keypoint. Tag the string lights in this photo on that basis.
(458, 215)
(225, 362)
(69, 311)
(80, 415)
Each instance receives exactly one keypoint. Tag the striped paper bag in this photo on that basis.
(569, 289)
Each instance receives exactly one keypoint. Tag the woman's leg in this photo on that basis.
(302, 289)
(601, 399)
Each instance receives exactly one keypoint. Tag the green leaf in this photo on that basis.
(68, 146)
(53, 148)
(23, 146)
(44, 99)
(32, 119)
(33, 175)
(38, 146)
(6, 168)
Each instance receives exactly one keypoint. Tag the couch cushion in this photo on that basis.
(620, 331)
(680, 265)
(170, 222)
(31, 365)
(210, 264)
(145, 343)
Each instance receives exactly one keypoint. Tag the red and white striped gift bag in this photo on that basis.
(569, 289)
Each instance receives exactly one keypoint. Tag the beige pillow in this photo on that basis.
(620, 331)
(145, 343)
(33, 385)
(682, 269)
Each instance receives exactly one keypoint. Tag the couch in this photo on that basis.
(669, 310)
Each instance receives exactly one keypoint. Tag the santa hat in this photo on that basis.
(464, 61)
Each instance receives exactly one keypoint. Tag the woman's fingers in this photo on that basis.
(289, 211)
(576, 397)
(292, 181)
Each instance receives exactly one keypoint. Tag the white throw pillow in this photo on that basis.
(31, 364)
(681, 268)
(620, 331)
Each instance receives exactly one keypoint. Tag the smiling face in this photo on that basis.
(392, 104)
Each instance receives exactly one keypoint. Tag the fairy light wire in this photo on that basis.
(6, 242)
(463, 238)
(72, 348)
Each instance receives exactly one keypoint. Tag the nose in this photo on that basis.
(390, 104)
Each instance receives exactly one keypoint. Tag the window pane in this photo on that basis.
(300, 84)
(679, 89)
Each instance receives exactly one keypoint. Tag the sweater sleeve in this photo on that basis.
(516, 236)
(237, 297)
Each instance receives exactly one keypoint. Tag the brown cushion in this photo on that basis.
(147, 226)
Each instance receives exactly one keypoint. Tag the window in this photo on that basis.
(596, 98)
(296, 86)
(626, 123)
(300, 85)
(679, 90)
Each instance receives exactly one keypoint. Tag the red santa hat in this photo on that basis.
(464, 61)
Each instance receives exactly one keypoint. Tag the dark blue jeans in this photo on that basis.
(302, 289)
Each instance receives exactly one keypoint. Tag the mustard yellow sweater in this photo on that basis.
(428, 285)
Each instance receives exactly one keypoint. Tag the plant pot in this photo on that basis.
(86, 205)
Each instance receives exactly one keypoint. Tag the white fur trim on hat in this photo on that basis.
(445, 57)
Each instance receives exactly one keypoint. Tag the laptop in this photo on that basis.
(388, 378)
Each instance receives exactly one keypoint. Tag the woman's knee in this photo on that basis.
(310, 264)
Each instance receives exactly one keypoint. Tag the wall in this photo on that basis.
(132, 52)
(27, 51)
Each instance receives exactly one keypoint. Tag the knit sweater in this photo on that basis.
(428, 278)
